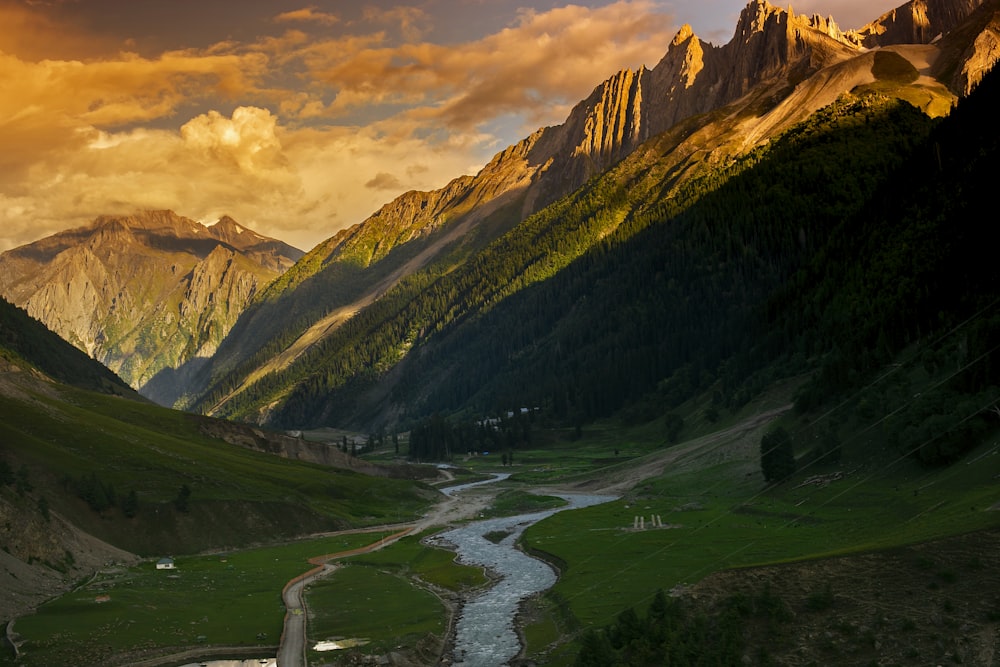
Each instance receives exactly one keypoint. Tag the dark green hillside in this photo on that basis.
(26, 339)
(327, 280)
(668, 305)
(148, 480)
(589, 305)
(634, 295)
(899, 310)
(814, 250)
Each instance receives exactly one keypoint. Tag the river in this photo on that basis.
(485, 634)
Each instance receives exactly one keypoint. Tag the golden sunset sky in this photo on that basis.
(299, 118)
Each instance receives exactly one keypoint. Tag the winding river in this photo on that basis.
(485, 634)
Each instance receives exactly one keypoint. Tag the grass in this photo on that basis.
(717, 518)
(386, 598)
(231, 599)
(896, 76)
(434, 566)
(239, 496)
(377, 606)
(558, 455)
(515, 501)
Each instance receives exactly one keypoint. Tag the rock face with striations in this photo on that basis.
(769, 46)
(917, 22)
(143, 293)
(777, 69)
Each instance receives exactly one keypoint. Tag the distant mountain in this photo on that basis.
(143, 293)
(697, 111)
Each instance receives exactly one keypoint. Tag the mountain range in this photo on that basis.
(154, 295)
(145, 292)
(792, 229)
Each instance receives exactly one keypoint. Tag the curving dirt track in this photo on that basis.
(292, 647)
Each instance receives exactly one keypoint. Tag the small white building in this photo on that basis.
(165, 564)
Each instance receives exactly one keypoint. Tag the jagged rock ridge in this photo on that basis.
(769, 45)
(144, 292)
(745, 92)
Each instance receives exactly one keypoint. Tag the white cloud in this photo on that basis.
(247, 139)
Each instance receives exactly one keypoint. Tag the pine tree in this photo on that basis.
(777, 458)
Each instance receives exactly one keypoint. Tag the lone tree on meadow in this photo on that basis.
(777, 460)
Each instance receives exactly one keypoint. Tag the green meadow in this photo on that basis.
(228, 599)
(721, 517)
(85, 453)
(706, 492)
(391, 598)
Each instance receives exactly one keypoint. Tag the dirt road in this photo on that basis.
(293, 644)
(472, 501)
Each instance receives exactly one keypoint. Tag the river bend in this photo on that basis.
(485, 634)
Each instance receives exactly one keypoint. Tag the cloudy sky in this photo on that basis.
(299, 118)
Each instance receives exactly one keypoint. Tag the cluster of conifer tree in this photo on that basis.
(439, 439)
(672, 633)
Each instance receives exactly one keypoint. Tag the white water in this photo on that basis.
(485, 635)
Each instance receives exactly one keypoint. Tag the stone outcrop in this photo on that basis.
(973, 49)
(980, 57)
(144, 292)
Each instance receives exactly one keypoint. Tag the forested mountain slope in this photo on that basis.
(352, 354)
(586, 307)
(717, 103)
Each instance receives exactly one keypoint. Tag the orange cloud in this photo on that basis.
(262, 135)
(301, 185)
(545, 58)
(307, 15)
(32, 35)
(125, 90)
(384, 181)
(413, 22)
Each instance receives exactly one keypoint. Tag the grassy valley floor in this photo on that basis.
(864, 562)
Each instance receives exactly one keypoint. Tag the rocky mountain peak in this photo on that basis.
(158, 221)
(227, 230)
(111, 231)
(143, 292)
(684, 34)
(917, 22)
(226, 226)
(756, 17)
